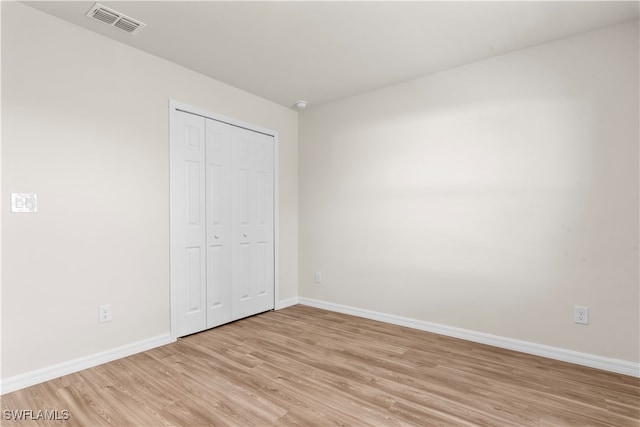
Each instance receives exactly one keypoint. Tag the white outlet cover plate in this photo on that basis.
(104, 313)
(581, 314)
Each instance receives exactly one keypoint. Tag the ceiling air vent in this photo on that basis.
(116, 19)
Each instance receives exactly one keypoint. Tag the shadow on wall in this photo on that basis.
(482, 196)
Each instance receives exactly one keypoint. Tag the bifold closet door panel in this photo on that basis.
(188, 246)
(252, 219)
(218, 201)
(222, 222)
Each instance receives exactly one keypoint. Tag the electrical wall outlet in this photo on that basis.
(581, 315)
(318, 277)
(104, 313)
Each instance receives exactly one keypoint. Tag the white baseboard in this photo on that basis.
(585, 359)
(7, 385)
(37, 376)
(287, 303)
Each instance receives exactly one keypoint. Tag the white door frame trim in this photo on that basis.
(180, 106)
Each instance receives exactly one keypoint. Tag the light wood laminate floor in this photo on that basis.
(302, 366)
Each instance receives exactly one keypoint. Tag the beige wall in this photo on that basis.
(491, 197)
(85, 126)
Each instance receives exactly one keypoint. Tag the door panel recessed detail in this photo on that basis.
(193, 192)
(194, 278)
(192, 138)
(214, 193)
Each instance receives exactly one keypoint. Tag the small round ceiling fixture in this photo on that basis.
(301, 105)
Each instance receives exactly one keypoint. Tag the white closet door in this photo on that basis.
(252, 218)
(218, 189)
(188, 249)
(222, 223)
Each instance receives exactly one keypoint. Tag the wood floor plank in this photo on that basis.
(303, 366)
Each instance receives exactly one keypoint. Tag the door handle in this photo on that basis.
(244, 234)
(216, 237)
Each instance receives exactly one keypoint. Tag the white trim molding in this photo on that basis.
(584, 359)
(41, 375)
(287, 303)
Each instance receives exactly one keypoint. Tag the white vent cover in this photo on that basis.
(116, 19)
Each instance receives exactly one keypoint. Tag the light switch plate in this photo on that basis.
(24, 202)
